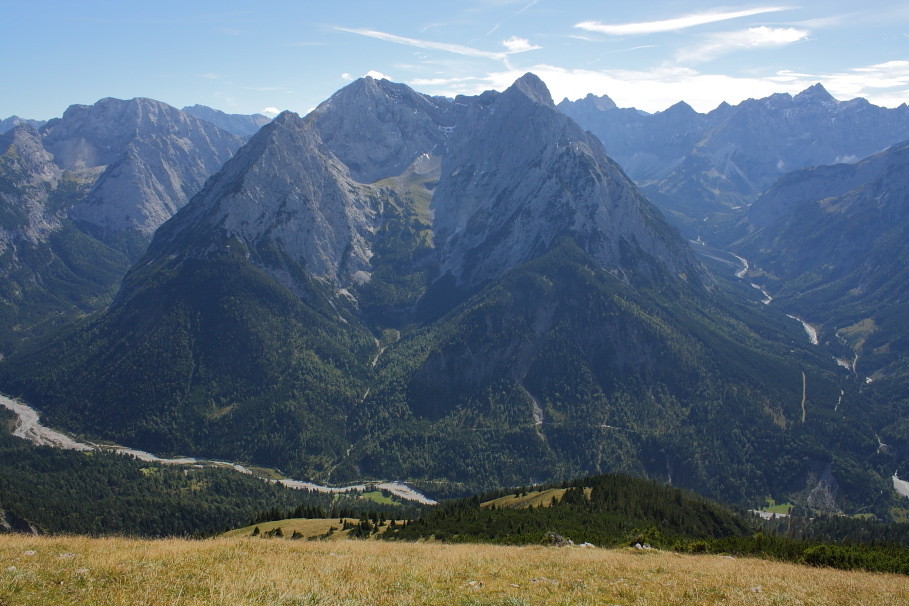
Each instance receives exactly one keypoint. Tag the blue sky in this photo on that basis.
(248, 57)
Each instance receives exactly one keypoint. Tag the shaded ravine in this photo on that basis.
(28, 427)
(900, 486)
(810, 330)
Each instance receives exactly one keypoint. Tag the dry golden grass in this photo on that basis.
(533, 498)
(309, 528)
(236, 572)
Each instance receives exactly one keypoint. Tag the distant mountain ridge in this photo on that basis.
(695, 165)
(243, 125)
(7, 124)
(81, 197)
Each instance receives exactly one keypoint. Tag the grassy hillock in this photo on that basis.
(615, 510)
(604, 510)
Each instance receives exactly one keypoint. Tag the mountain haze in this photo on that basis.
(696, 165)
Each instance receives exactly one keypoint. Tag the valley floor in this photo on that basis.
(113, 571)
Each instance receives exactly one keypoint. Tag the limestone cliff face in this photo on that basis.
(80, 198)
(511, 175)
(284, 192)
(149, 158)
(378, 128)
(27, 174)
(519, 175)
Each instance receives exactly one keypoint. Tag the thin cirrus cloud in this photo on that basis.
(513, 44)
(721, 43)
(674, 24)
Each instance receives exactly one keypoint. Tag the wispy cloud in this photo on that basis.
(715, 45)
(271, 112)
(512, 16)
(518, 45)
(674, 24)
(457, 49)
(633, 48)
(376, 74)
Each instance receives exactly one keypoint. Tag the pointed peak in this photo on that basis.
(21, 130)
(816, 92)
(602, 103)
(533, 88)
(679, 108)
(286, 116)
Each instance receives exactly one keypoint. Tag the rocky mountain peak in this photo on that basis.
(286, 193)
(143, 157)
(95, 135)
(378, 128)
(680, 109)
(602, 103)
(521, 175)
(533, 88)
(513, 177)
(815, 93)
(7, 124)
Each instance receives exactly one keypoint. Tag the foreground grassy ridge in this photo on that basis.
(113, 571)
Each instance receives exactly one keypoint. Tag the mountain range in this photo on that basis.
(695, 166)
(459, 292)
(81, 197)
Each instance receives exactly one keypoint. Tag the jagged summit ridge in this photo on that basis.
(514, 175)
